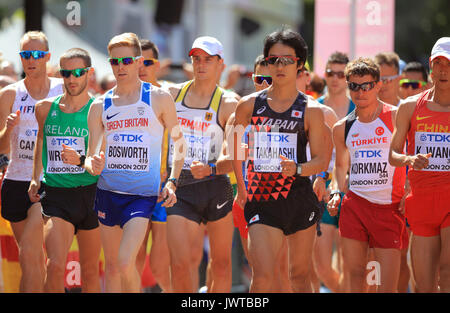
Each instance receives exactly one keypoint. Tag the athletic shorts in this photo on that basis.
(203, 202)
(428, 211)
(74, 205)
(239, 220)
(381, 225)
(159, 213)
(15, 200)
(117, 209)
(299, 211)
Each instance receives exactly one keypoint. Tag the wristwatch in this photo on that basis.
(213, 169)
(333, 192)
(173, 180)
(324, 175)
(82, 159)
(299, 169)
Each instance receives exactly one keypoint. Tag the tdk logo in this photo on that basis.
(435, 137)
(275, 138)
(368, 154)
(195, 139)
(128, 138)
(31, 132)
(66, 141)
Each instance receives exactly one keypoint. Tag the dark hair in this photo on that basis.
(147, 45)
(388, 58)
(77, 53)
(260, 60)
(361, 67)
(416, 67)
(289, 38)
(338, 58)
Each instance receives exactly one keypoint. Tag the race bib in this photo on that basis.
(128, 151)
(55, 165)
(198, 149)
(438, 144)
(268, 146)
(26, 140)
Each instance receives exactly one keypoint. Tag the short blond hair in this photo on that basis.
(35, 35)
(126, 40)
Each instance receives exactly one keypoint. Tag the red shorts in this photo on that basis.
(381, 225)
(239, 220)
(428, 211)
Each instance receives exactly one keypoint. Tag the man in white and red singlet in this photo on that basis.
(370, 216)
(424, 120)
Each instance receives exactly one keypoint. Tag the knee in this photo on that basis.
(111, 268)
(56, 267)
(221, 267)
(89, 270)
(181, 266)
(29, 256)
(299, 276)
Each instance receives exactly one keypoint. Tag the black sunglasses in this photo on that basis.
(364, 86)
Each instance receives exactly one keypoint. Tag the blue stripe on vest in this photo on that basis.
(108, 101)
(146, 93)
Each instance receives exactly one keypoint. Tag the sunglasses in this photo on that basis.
(283, 60)
(36, 54)
(259, 79)
(78, 72)
(330, 73)
(364, 86)
(150, 61)
(388, 79)
(124, 60)
(414, 84)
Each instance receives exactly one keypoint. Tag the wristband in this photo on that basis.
(213, 169)
(333, 192)
(82, 159)
(173, 181)
(324, 175)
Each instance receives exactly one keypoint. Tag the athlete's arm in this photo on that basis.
(166, 112)
(8, 119)
(320, 142)
(243, 116)
(95, 158)
(41, 111)
(396, 150)
(341, 165)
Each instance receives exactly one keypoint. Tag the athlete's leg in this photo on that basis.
(300, 245)
(403, 280)
(58, 239)
(181, 233)
(133, 235)
(89, 246)
(220, 234)
(29, 235)
(389, 260)
(444, 267)
(264, 246)
(425, 253)
(111, 237)
(159, 256)
(142, 253)
(281, 282)
(198, 237)
(354, 254)
(323, 257)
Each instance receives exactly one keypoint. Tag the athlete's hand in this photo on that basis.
(200, 170)
(168, 195)
(319, 188)
(33, 191)
(333, 204)
(419, 161)
(288, 167)
(13, 120)
(97, 163)
(241, 197)
(401, 206)
(69, 155)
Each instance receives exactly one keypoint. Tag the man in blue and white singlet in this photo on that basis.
(126, 128)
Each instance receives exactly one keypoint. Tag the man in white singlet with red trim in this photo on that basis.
(370, 216)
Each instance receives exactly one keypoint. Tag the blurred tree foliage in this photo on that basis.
(418, 24)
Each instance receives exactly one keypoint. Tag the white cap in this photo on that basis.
(210, 45)
(441, 49)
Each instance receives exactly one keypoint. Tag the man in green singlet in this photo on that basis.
(68, 202)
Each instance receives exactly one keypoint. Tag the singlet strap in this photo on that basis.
(108, 100)
(183, 91)
(351, 118)
(146, 91)
(216, 98)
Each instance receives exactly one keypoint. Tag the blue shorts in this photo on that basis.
(159, 213)
(117, 209)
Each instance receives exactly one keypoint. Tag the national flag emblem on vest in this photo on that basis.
(254, 219)
(208, 116)
(297, 114)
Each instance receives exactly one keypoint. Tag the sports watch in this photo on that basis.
(299, 169)
(324, 175)
(82, 159)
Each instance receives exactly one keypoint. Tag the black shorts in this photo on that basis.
(299, 211)
(15, 200)
(204, 202)
(74, 205)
